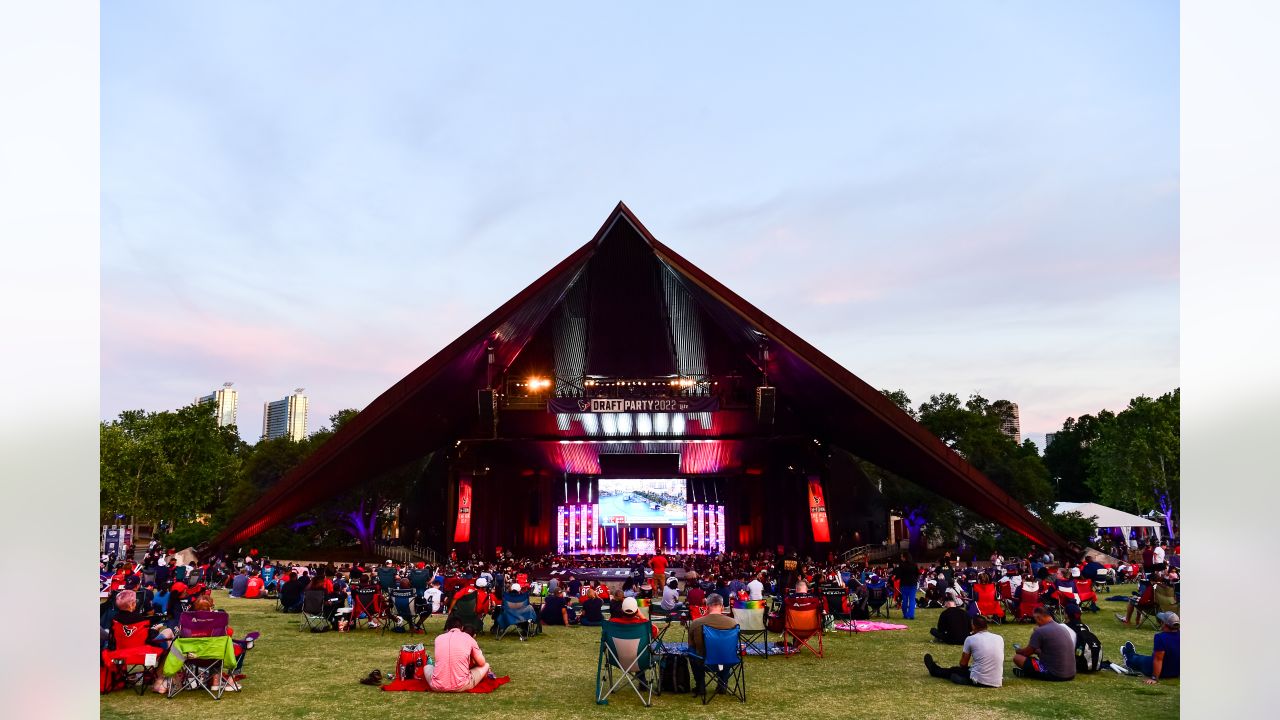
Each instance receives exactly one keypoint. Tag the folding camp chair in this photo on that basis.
(1163, 599)
(878, 599)
(988, 604)
(721, 654)
(626, 648)
(517, 614)
(314, 616)
(1027, 602)
(802, 617)
(133, 659)
(1088, 596)
(201, 663)
(836, 606)
(367, 605)
(753, 629)
(464, 608)
(401, 612)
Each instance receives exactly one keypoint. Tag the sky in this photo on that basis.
(943, 197)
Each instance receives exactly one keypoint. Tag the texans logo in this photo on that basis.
(128, 630)
(584, 405)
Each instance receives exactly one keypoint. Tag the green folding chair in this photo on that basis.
(626, 651)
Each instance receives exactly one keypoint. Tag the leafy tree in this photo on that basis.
(1067, 457)
(1133, 464)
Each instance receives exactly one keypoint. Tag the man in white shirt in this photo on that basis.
(433, 597)
(1158, 553)
(755, 588)
(981, 661)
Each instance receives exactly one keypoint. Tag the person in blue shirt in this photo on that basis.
(1165, 658)
(239, 584)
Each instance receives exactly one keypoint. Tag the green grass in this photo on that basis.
(304, 675)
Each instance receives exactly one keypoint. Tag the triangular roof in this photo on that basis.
(1107, 517)
(432, 405)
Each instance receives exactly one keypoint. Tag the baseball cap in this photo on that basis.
(387, 561)
(1168, 618)
(482, 583)
(630, 606)
(1075, 572)
(515, 587)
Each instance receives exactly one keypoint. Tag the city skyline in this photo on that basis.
(961, 200)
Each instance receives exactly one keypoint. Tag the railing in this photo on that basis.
(408, 554)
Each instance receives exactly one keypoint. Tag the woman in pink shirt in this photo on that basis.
(460, 665)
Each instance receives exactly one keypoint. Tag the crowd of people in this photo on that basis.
(507, 592)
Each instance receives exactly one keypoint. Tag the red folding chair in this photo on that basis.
(133, 659)
(802, 621)
(1028, 602)
(1088, 596)
(988, 603)
(367, 601)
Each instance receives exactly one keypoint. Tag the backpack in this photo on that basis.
(1088, 650)
(674, 674)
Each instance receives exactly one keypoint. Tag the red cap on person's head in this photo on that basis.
(421, 565)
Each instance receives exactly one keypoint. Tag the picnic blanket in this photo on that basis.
(867, 626)
(486, 685)
(1120, 598)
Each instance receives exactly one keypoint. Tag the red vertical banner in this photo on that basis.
(462, 529)
(818, 511)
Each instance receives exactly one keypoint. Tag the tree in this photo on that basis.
(1133, 464)
(1067, 457)
(171, 465)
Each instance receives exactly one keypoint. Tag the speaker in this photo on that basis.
(766, 401)
(487, 403)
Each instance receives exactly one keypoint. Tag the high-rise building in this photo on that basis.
(1048, 439)
(226, 401)
(286, 417)
(1010, 425)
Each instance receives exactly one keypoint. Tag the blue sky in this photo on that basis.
(942, 196)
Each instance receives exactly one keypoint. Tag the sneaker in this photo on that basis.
(1127, 649)
(1017, 672)
(1121, 619)
(929, 663)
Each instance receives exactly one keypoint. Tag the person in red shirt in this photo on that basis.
(659, 565)
(254, 588)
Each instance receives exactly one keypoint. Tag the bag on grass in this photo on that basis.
(412, 663)
(674, 674)
(1088, 651)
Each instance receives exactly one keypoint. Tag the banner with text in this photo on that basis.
(818, 512)
(462, 530)
(639, 405)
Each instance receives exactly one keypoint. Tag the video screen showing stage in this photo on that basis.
(642, 502)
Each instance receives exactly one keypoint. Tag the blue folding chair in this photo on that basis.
(722, 664)
(627, 649)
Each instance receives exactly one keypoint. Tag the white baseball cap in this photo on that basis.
(515, 587)
(482, 583)
(630, 606)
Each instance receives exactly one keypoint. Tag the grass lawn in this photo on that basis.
(303, 675)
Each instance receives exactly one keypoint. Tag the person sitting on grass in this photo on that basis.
(253, 586)
(240, 584)
(715, 618)
(459, 664)
(1051, 652)
(1165, 659)
(556, 610)
(291, 593)
(953, 624)
(981, 659)
(592, 609)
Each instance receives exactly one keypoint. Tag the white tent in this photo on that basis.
(1107, 517)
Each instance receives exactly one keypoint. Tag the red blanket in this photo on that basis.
(486, 685)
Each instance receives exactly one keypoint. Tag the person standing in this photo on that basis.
(908, 574)
(659, 564)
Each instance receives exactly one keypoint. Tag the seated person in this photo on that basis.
(717, 619)
(592, 609)
(615, 603)
(981, 659)
(126, 603)
(459, 664)
(291, 593)
(386, 576)
(801, 589)
(694, 594)
(1144, 600)
(1165, 659)
(670, 599)
(556, 610)
(1051, 652)
(253, 586)
(433, 597)
(240, 584)
(317, 602)
(953, 625)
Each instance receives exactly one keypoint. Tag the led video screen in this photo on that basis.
(642, 502)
